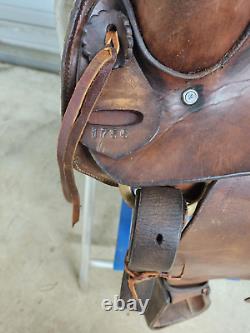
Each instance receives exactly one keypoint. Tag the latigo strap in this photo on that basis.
(81, 105)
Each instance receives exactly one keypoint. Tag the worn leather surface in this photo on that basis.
(137, 131)
(192, 143)
(196, 34)
(211, 147)
(216, 243)
(79, 109)
(71, 62)
(157, 225)
(135, 112)
(201, 133)
(207, 135)
(171, 305)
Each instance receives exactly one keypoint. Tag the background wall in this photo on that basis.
(28, 34)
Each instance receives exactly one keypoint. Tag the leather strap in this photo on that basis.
(169, 305)
(155, 236)
(156, 230)
(80, 107)
(156, 233)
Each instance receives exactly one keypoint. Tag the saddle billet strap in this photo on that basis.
(156, 233)
(80, 107)
(156, 230)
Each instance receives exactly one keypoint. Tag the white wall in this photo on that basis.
(28, 34)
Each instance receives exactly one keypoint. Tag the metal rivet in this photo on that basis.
(190, 96)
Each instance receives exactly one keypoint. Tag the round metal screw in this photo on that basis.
(190, 96)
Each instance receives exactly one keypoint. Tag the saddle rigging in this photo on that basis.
(155, 104)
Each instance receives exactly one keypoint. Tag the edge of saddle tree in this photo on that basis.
(207, 135)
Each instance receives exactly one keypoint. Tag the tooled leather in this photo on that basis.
(134, 95)
(97, 25)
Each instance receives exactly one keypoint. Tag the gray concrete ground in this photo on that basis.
(40, 253)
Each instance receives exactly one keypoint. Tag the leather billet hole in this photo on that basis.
(115, 118)
(159, 239)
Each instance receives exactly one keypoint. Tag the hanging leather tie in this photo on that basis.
(136, 277)
(80, 107)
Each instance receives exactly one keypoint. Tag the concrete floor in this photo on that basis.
(40, 253)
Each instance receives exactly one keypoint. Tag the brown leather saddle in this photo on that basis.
(155, 100)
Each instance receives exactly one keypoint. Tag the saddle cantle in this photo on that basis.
(155, 97)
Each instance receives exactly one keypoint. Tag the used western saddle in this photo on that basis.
(155, 100)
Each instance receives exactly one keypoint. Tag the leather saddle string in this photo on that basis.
(80, 107)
